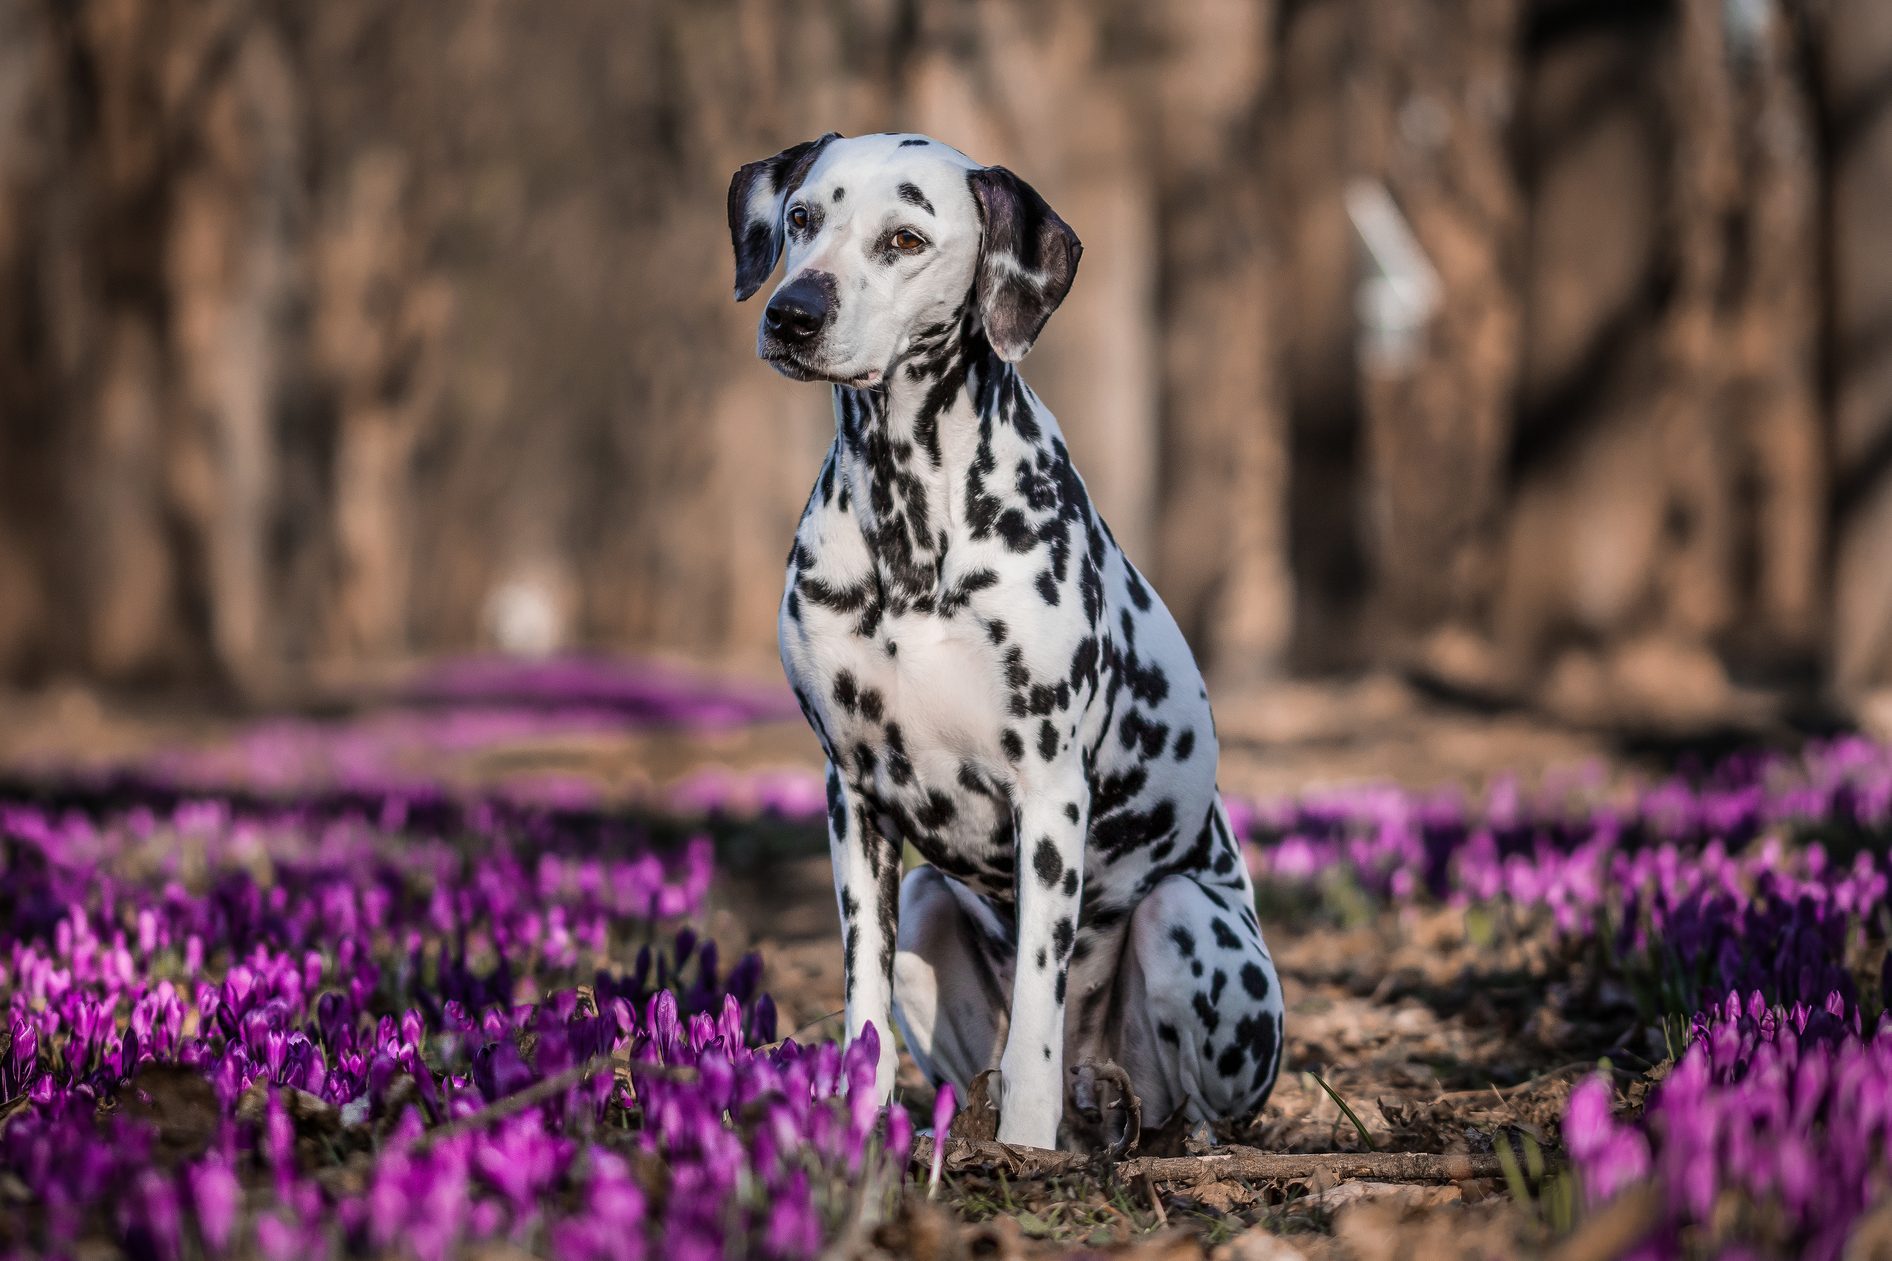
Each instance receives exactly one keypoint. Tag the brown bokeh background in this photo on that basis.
(335, 335)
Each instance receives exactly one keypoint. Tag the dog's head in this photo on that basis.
(886, 236)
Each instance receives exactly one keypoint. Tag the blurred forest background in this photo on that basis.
(333, 335)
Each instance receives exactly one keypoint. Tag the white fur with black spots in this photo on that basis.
(991, 679)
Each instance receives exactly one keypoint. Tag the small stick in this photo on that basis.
(544, 1091)
(1229, 1162)
(1156, 1202)
(538, 1092)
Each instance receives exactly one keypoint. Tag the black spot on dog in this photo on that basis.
(1139, 594)
(961, 592)
(995, 631)
(1185, 941)
(1206, 1014)
(1063, 935)
(1167, 1032)
(937, 812)
(1185, 744)
(873, 709)
(911, 194)
(1047, 740)
(913, 141)
(1058, 990)
(1255, 981)
(837, 808)
(1124, 829)
(1263, 1036)
(1015, 530)
(840, 194)
(838, 599)
(1070, 811)
(899, 767)
(1014, 747)
(1136, 731)
(1017, 677)
(1230, 1061)
(1070, 883)
(845, 693)
(1047, 863)
(1224, 937)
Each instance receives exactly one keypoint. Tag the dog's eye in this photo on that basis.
(798, 217)
(908, 241)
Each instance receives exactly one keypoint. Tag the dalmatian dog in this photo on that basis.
(993, 682)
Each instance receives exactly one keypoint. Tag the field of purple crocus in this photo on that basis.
(255, 1005)
(1746, 907)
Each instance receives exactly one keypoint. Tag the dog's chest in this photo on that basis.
(911, 707)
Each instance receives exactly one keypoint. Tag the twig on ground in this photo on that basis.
(1156, 1202)
(1226, 1163)
(544, 1091)
(538, 1092)
(772, 1047)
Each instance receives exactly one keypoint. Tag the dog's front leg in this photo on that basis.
(1051, 822)
(867, 885)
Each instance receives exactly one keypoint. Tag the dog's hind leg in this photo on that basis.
(1201, 1011)
(949, 983)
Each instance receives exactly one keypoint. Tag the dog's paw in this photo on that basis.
(1105, 1112)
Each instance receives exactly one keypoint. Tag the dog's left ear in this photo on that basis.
(758, 194)
(1027, 261)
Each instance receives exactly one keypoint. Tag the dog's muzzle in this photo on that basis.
(799, 312)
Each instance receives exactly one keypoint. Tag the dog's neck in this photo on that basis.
(907, 446)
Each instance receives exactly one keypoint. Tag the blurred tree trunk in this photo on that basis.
(1430, 115)
(31, 601)
(1855, 62)
(230, 273)
(1733, 408)
(161, 273)
(1223, 563)
(1694, 431)
(1774, 333)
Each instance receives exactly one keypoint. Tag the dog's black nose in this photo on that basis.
(800, 309)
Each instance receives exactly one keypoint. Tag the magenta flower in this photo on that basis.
(944, 1106)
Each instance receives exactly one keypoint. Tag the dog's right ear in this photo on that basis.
(758, 194)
